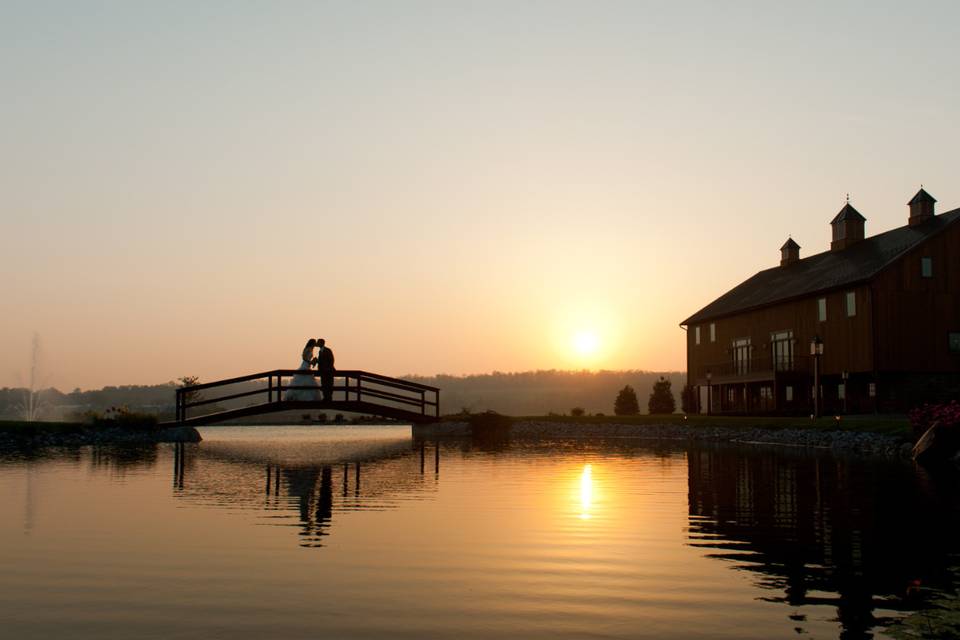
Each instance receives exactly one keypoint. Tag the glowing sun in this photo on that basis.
(586, 342)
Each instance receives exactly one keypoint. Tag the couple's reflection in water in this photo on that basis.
(873, 541)
(316, 490)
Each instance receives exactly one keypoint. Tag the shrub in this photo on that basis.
(489, 423)
(923, 417)
(121, 417)
(626, 403)
(688, 399)
(661, 398)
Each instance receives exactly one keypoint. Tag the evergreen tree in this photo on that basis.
(688, 399)
(626, 403)
(661, 399)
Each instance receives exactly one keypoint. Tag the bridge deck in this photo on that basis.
(352, 391)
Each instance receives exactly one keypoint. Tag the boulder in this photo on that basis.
(940, 443)
(179, 434)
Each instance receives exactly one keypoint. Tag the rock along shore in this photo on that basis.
(84, 435)
(872, 444)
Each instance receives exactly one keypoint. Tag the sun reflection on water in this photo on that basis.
(586, 491)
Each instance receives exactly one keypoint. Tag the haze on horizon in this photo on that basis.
(196, 188)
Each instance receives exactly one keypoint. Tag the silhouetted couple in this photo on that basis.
(305, 382)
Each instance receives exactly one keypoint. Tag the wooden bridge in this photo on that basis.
(354, 391)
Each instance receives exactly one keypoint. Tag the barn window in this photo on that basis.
(822, 309)
(955, 341)
(781, 344)
(696, 335)
(713, 332)
(741, 355)
(926, 267)
(851, 304)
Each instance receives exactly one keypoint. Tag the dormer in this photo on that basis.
(789, 252)
(847, 228)
(921, 208)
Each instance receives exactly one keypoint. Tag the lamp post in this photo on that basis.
(816, 350)
(846, 391)
(709, 393)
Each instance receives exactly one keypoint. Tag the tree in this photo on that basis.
(661, 398)
(190, 396)
(577, 412)
(626, 403)
(688, 399)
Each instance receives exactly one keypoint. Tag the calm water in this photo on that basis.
(347, 532)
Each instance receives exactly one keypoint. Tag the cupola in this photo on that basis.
(789, 252)
(921, 208)
(847, 228)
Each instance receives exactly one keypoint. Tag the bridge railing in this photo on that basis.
(349, 387)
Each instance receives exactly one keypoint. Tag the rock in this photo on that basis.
(940, 443)
(441, 429)
(179, 434)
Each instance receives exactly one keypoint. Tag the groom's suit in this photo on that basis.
(325, 367)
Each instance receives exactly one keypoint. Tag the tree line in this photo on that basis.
(528, 393)
(537, 393)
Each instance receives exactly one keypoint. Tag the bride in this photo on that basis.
(305, 378)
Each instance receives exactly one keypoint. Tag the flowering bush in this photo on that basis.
(121, 417)
(923, 417)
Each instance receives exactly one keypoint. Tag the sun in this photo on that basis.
(586, 342)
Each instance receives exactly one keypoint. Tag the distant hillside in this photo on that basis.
(533, 393)
(56, 405)
(526, 393)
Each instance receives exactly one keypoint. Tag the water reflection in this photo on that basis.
(370, 474)
(586, 491)
(121, 459)
(860, 536)
(562, 539)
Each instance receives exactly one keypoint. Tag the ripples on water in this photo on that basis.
(363, 532)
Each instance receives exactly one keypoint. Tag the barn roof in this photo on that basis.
(922, 196)
(823, 271)
(848, 213)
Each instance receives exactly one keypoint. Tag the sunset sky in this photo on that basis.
(195, 188)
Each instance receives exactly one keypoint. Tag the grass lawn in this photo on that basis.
(23, 428)
(892, 425)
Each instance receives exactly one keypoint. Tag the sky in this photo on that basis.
(196, 188)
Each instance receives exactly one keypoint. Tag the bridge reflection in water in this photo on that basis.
(870, 540)
(863, 536)
(370, 477)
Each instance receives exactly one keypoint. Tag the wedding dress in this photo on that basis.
(304, 379)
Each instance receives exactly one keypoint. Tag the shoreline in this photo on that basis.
(38, 435)
(30, 435)
(857, 442)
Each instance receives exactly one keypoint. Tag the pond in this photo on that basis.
(365, 532)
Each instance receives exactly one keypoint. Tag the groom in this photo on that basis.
(325, 367)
